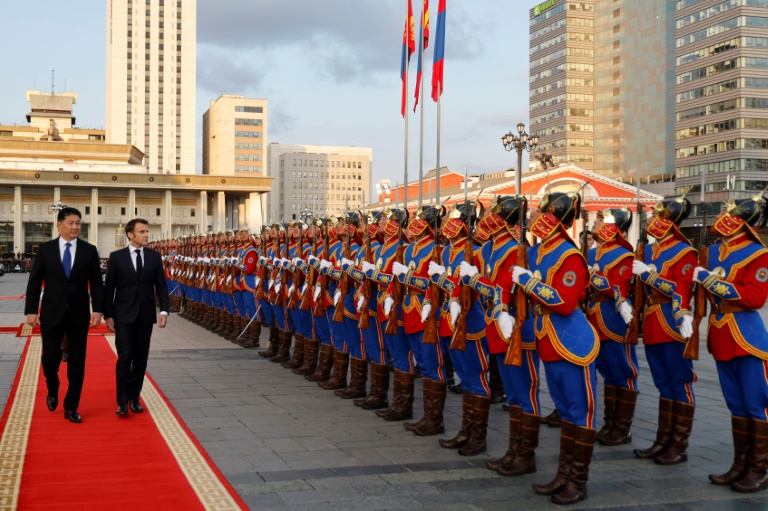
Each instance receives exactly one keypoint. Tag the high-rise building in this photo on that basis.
(321, 179)
(151, 71)
(670, 91)
(235, 136)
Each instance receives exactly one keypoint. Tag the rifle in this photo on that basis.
(320, 304)
(431, 335)
(691, 350)
(397, 294)
(585, 251)
(295, 282)
(260, 295)
(459, 340)
(365, 287)
(638, 286)
(307, 298)
(514, 355)
(338, 314)
(280, 295)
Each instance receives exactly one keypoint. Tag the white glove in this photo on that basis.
(425, 312)
(262, 259)
(303, 289)
(346, 261)
(696, 272)
(368, 267)
(686, 327)
(517, 271)
(399, 269)
(435, 269)
(454, 308)
(639, 267)
(311, 259)
(506, 324)
(336, 297)
(286, 262)
(360, 303)
(325, 264)
(467, 270)
(295, 261)
(626, 312)
(277, 287)
(271, 283)
(388, 303)
(317, 292)
(291, 289)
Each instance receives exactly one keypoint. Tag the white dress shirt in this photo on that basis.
(72, 249)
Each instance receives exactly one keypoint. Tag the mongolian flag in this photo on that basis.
(437, 60)
(424, 36)
(409, 46)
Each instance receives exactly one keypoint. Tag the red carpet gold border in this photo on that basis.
(209, 488)
(13, 444)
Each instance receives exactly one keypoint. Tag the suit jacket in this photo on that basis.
(61, 292)
(129, 298)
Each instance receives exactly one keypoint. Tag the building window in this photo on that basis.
(157, 211)
(192, 212)
(122, 211)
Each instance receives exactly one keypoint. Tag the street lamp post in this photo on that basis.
(520, 142)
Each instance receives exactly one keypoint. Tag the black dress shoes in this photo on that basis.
(52, 403)
(64, 356)
(122, 409)
(72, 416)
(136, 407)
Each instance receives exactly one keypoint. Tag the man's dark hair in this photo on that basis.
(132, 223)
(65, 212)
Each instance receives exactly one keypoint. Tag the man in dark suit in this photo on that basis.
(134, 274)
(67, 266)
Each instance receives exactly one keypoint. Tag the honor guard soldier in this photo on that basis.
(494, 286)
(667, 322)
(263, 278)
(280, 293)
(556, 281)
(390, 316)
(325, 361)
(737, 338)
(270, 274)
(247, 265)
(304, 308)
(609, 312)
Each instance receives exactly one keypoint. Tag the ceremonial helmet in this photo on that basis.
(558, 211)
(397, 218)
(426, 216)
(669, 215)
(461, 216)
(615, 223)
(505, 214)
(750, 213)
(372, 219)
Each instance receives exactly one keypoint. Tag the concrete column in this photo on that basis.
(241, 222)
(18, 222)
(229, 214)
(247, 208)
(254, 211)
(131, 211)
(93, 228)
(166, 215)
(56, 199)
(203, 212)
(220, 213)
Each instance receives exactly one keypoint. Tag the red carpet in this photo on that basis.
(12, 297)
(24, 330)
(148, 460)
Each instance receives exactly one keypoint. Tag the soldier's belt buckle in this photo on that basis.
(717, 308)
(537, 310)
(649, 300)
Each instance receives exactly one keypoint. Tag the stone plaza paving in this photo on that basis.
(286, 444)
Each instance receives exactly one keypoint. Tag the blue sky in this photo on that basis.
(330, 70)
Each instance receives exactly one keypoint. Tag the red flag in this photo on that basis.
(439, 55)
(424, 36)
(409, 46)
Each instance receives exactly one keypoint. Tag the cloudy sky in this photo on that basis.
(330, 70)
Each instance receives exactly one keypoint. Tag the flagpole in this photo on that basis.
(405, 145)
(421, 109)
(437, 166)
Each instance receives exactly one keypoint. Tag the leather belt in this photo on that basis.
(600, 297)
(656, 300)
(543, 310)
(727, 308)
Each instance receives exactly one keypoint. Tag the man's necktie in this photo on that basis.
(139, 266)
(66, 261)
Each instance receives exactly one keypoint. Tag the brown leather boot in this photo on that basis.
(215, 322)
(741, 445)
(564, 463)
(402, 406)
(338, 379)
(237, 327)
(226, 317)
(525, 457)
(426, 390)
(625, 412)
(609, 413)
(284, 348)
(324, 364)
(250, 339)
(311, 350)
(272, 344)
(756, 478)
(378, 397)
(462, 437)
(515, 434)
(682, 423)
(358, 379)
(297, 359)
(553, 420)
(575, 490)
(663, 432)
(255, 334)
(478, 428)
(434, 404)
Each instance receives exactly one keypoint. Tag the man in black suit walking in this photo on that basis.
(67, 266)
(134, 274)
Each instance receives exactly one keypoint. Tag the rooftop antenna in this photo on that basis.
(53, 75)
